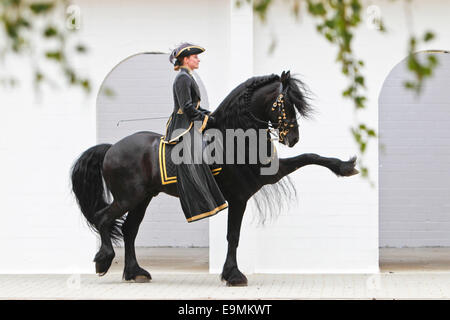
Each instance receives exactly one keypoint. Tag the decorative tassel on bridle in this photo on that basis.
(284, 125)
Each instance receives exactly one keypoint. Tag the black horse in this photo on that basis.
(131, 174)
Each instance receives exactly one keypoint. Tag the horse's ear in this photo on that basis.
(285, 76)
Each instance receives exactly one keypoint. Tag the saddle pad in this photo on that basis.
(167, 167)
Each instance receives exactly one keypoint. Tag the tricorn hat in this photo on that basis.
(184, 50)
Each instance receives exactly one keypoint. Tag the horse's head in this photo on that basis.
(266, 101)
(288, 96)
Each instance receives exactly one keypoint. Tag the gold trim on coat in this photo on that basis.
(207, 214)
(172, 141)
(205, 120)
(168, 121)
(162, 165)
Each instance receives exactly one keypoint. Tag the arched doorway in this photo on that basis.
(138, 88)
(414, 165)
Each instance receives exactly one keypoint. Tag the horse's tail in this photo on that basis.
(87, 185)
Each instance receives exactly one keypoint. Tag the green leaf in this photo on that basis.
(362, 147)
(41, 7)
(359, 101)
(21, 21)
(54, 55)
(316, 9)
(409, 85)
(38, 76)
(260, 7)
(432, 60)
(329, 36)
(107, 91)
(50, 31)
(348, 92)
(86, 85)
(80, 48)
(359, 80)
(428, 36)
(364, 171)
(330, 24)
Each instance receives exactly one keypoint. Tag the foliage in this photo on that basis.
(39, 30)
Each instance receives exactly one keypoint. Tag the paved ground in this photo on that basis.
(415, 260)
(182, 274)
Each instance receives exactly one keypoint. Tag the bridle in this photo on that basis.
(283, 125)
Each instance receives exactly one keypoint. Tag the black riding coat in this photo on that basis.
(186, 97)
(199, 194)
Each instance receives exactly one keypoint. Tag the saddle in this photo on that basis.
(168, 168)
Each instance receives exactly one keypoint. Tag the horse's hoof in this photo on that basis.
(242, 284)
(347, 168)
(136, 274)
(237, 281)
(142, 279)
(234, 278)
(138, 279)
(103, 261)
(102, 267)
(236, 284)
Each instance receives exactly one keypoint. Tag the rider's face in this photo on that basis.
(192, 61)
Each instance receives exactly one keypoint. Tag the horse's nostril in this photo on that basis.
(295, 140)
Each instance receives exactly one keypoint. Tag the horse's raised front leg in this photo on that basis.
(337, 166)
(230, 272)
(132, 270)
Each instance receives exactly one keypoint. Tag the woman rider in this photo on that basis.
(199, 194)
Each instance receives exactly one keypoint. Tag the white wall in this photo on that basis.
(42, 230)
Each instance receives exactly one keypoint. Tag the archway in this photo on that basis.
(414, 167)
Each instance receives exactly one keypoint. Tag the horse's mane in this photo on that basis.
(233, 113)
